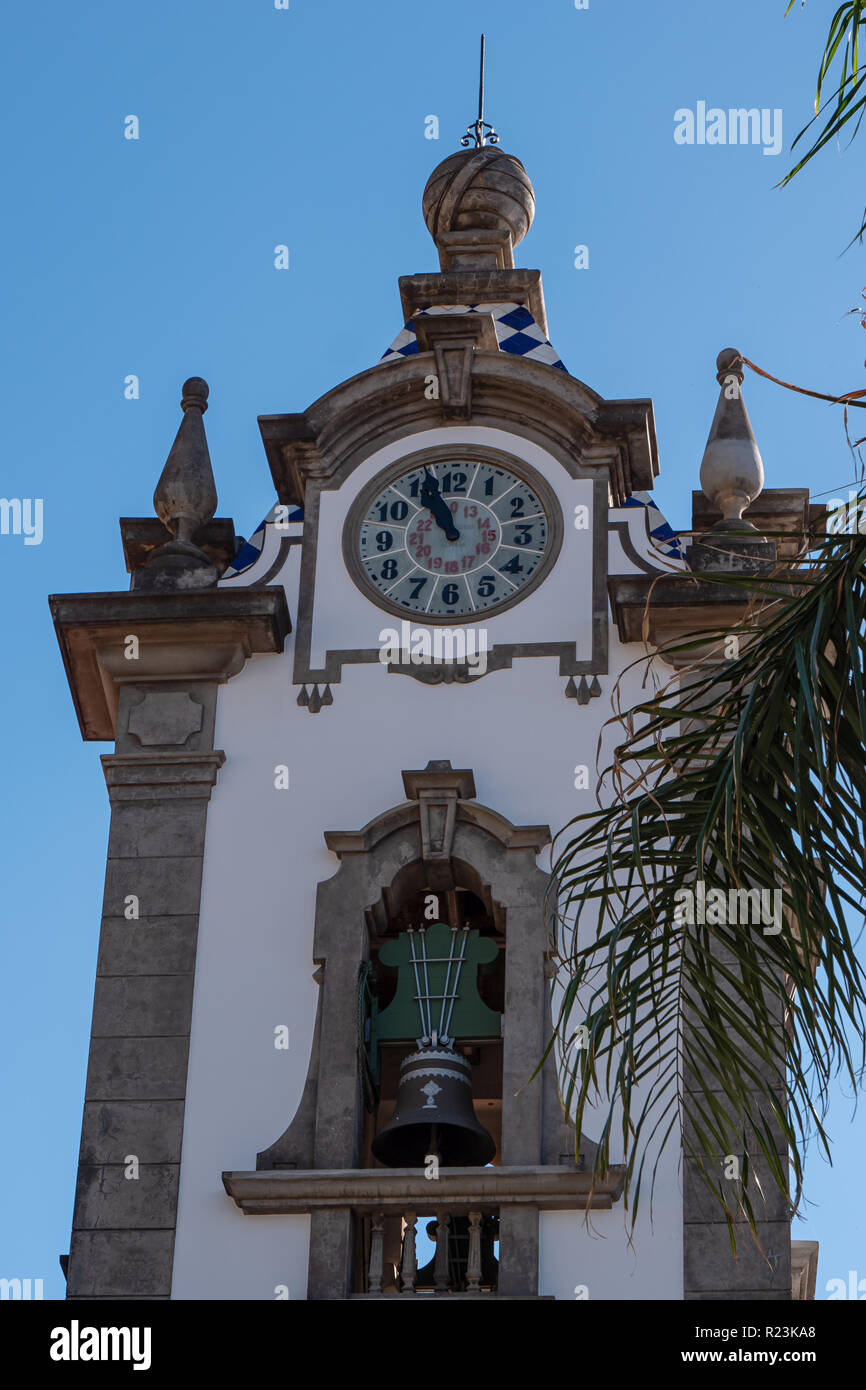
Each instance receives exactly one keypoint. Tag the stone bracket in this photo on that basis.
(437, 789)
(453, 339)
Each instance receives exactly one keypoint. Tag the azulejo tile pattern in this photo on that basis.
(663, 536)
(252, 549)
(516, 330)
(518, 333)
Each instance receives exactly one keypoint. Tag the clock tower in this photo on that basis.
(342, 750)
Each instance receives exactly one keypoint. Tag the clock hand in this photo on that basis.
(432, 500)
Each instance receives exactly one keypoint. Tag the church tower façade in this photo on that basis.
(341, 752)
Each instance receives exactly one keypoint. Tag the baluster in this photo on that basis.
(377, 1240)
(473, 1260)
(409, 1266)
(440, 1266)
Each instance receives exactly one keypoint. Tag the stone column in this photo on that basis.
(129, 1168)
(145, 669)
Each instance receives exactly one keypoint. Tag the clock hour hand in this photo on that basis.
(432, 500)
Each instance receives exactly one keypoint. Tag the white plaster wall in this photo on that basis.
(265, 855)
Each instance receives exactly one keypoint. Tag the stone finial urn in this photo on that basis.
(732, 473)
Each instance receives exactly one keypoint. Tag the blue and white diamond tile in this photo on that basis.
(252, 549)
(663, 536)
(516, 330)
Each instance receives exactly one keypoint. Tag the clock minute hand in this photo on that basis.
(432, 499)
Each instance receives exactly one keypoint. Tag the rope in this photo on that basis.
(849, 397)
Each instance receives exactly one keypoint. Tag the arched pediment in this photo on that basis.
(587, 434)
(439, 837)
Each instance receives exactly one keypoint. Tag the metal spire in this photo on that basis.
(480, 132)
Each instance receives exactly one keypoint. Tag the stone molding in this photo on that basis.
(804, 1270)
(785, 513)
(479, 286)
(547, 1187)
(143, 535)
(587, 434)
(673, 607)
(501, 655)
(204, 635)
(140, 778)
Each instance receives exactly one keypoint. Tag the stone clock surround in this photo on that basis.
(611, 442)
(500, 656)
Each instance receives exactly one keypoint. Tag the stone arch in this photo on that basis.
(439, 837)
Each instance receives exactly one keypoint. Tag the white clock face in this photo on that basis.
(453, 536)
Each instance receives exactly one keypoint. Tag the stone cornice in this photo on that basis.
(784, 513)
(138, 777)
(668, 608)
(274, 1192)
(387, 402)
(474, 287)
(674, 606)
(194, 635)
(142, 535)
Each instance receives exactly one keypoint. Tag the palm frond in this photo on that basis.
(847, 100)
(747, 775)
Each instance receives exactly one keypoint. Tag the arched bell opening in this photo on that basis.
(436, 974)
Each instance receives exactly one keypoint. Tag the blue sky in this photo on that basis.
(155, 257)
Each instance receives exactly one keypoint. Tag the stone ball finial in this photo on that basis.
(730, 363)
(194, 393)
(732, 473)
(481, 197)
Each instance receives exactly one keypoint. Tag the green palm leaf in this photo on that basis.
(847, 100)
(747, 775)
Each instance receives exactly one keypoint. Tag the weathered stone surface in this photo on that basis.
(150, 1129)
(120, 1264)
(709, 1263)
(105, 1198)
(701, 1205)
(761, 1108)
(518, 1252)
(330, 1254)
(152, 945)
(142, 1005)
(164, 887)
(137, 1069)
(481, 189)
(165, 717)
(156, 829)
(705, 1044)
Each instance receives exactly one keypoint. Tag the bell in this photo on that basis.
(434, 1115)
